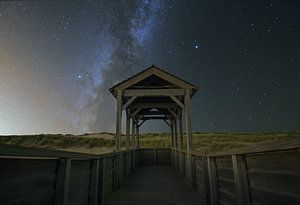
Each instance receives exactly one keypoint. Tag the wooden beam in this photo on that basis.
(154, 92)
(133, 133)
(167, 122)
(153, 105)
(241, 179)
(142, 123)
(188, 122)
(137, 135)
(94, 182)
(118, 121)
(63, 182)
(135, 112)
(128, 102)
(188, 133)
(178, 102)
(172, 112)
(127, 129)
(154, 118)
(180, 130)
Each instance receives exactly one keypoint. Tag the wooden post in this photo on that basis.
(175, 144)
(241, 179)
(101, 181)
(119, 121)
(172, 142)
(63, 182)
(133, 142)
(127, 129)
(137, 135)
(94, 182)
(172, 134)
(188, 133)
(155, 156)
(212, 175)
(133, 133)
(180, 129)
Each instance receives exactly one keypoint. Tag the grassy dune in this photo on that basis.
(104, 142)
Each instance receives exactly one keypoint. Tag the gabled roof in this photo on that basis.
(159, 73)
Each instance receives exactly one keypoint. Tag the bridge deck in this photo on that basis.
(159, 185)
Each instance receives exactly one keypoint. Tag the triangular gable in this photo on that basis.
(153, 70)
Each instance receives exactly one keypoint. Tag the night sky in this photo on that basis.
(58, 59)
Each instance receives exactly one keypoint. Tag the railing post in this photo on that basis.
(155, 156)
(101, 189)
(212, 175)
(241, 179)
(94, 182)
(206, 181)
(63, 182)
(116, 172)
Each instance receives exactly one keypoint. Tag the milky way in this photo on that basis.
(59, 58)
(120, 49)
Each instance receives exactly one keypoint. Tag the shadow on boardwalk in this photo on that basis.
(159, 185)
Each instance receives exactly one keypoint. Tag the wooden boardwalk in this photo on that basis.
(158, 185)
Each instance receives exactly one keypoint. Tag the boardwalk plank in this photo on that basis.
(154, 185)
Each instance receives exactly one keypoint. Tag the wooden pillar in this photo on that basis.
(175, 134)
(127, 129)
(118, 121)
(172, 133)
(94, 182)
(212, 177)
(180, 140)
(241, 179)
(63, 182)
(187, 99)
(188, 133)
(133, 133)
(137, 135)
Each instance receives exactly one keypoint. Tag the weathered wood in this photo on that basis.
(154, 92)
(127, 144)
(143, 121)
(128, 102)
(241, 179)
(178, 102)
(137, 135)
(63, 182)
(102, 174)
(153, 105)
(133, 133)
(154, 118)
(212, 175)
(119, 121)
(94, 182)
(188, 133)
(180, 131)
(172, 112)
(147, 73)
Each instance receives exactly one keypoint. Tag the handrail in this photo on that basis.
(13, 150)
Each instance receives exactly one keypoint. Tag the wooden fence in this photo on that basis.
(259, 175)
(39, 176)
(263, 175)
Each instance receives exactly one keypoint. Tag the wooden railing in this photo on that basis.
(261, 175)
(40, 176)
(265, 174)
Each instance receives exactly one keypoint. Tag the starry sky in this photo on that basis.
(58, 59)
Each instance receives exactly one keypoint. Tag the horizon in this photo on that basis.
(59, 58)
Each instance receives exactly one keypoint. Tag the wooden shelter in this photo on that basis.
(153, 94)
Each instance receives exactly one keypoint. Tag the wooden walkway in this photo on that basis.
(158, 185)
